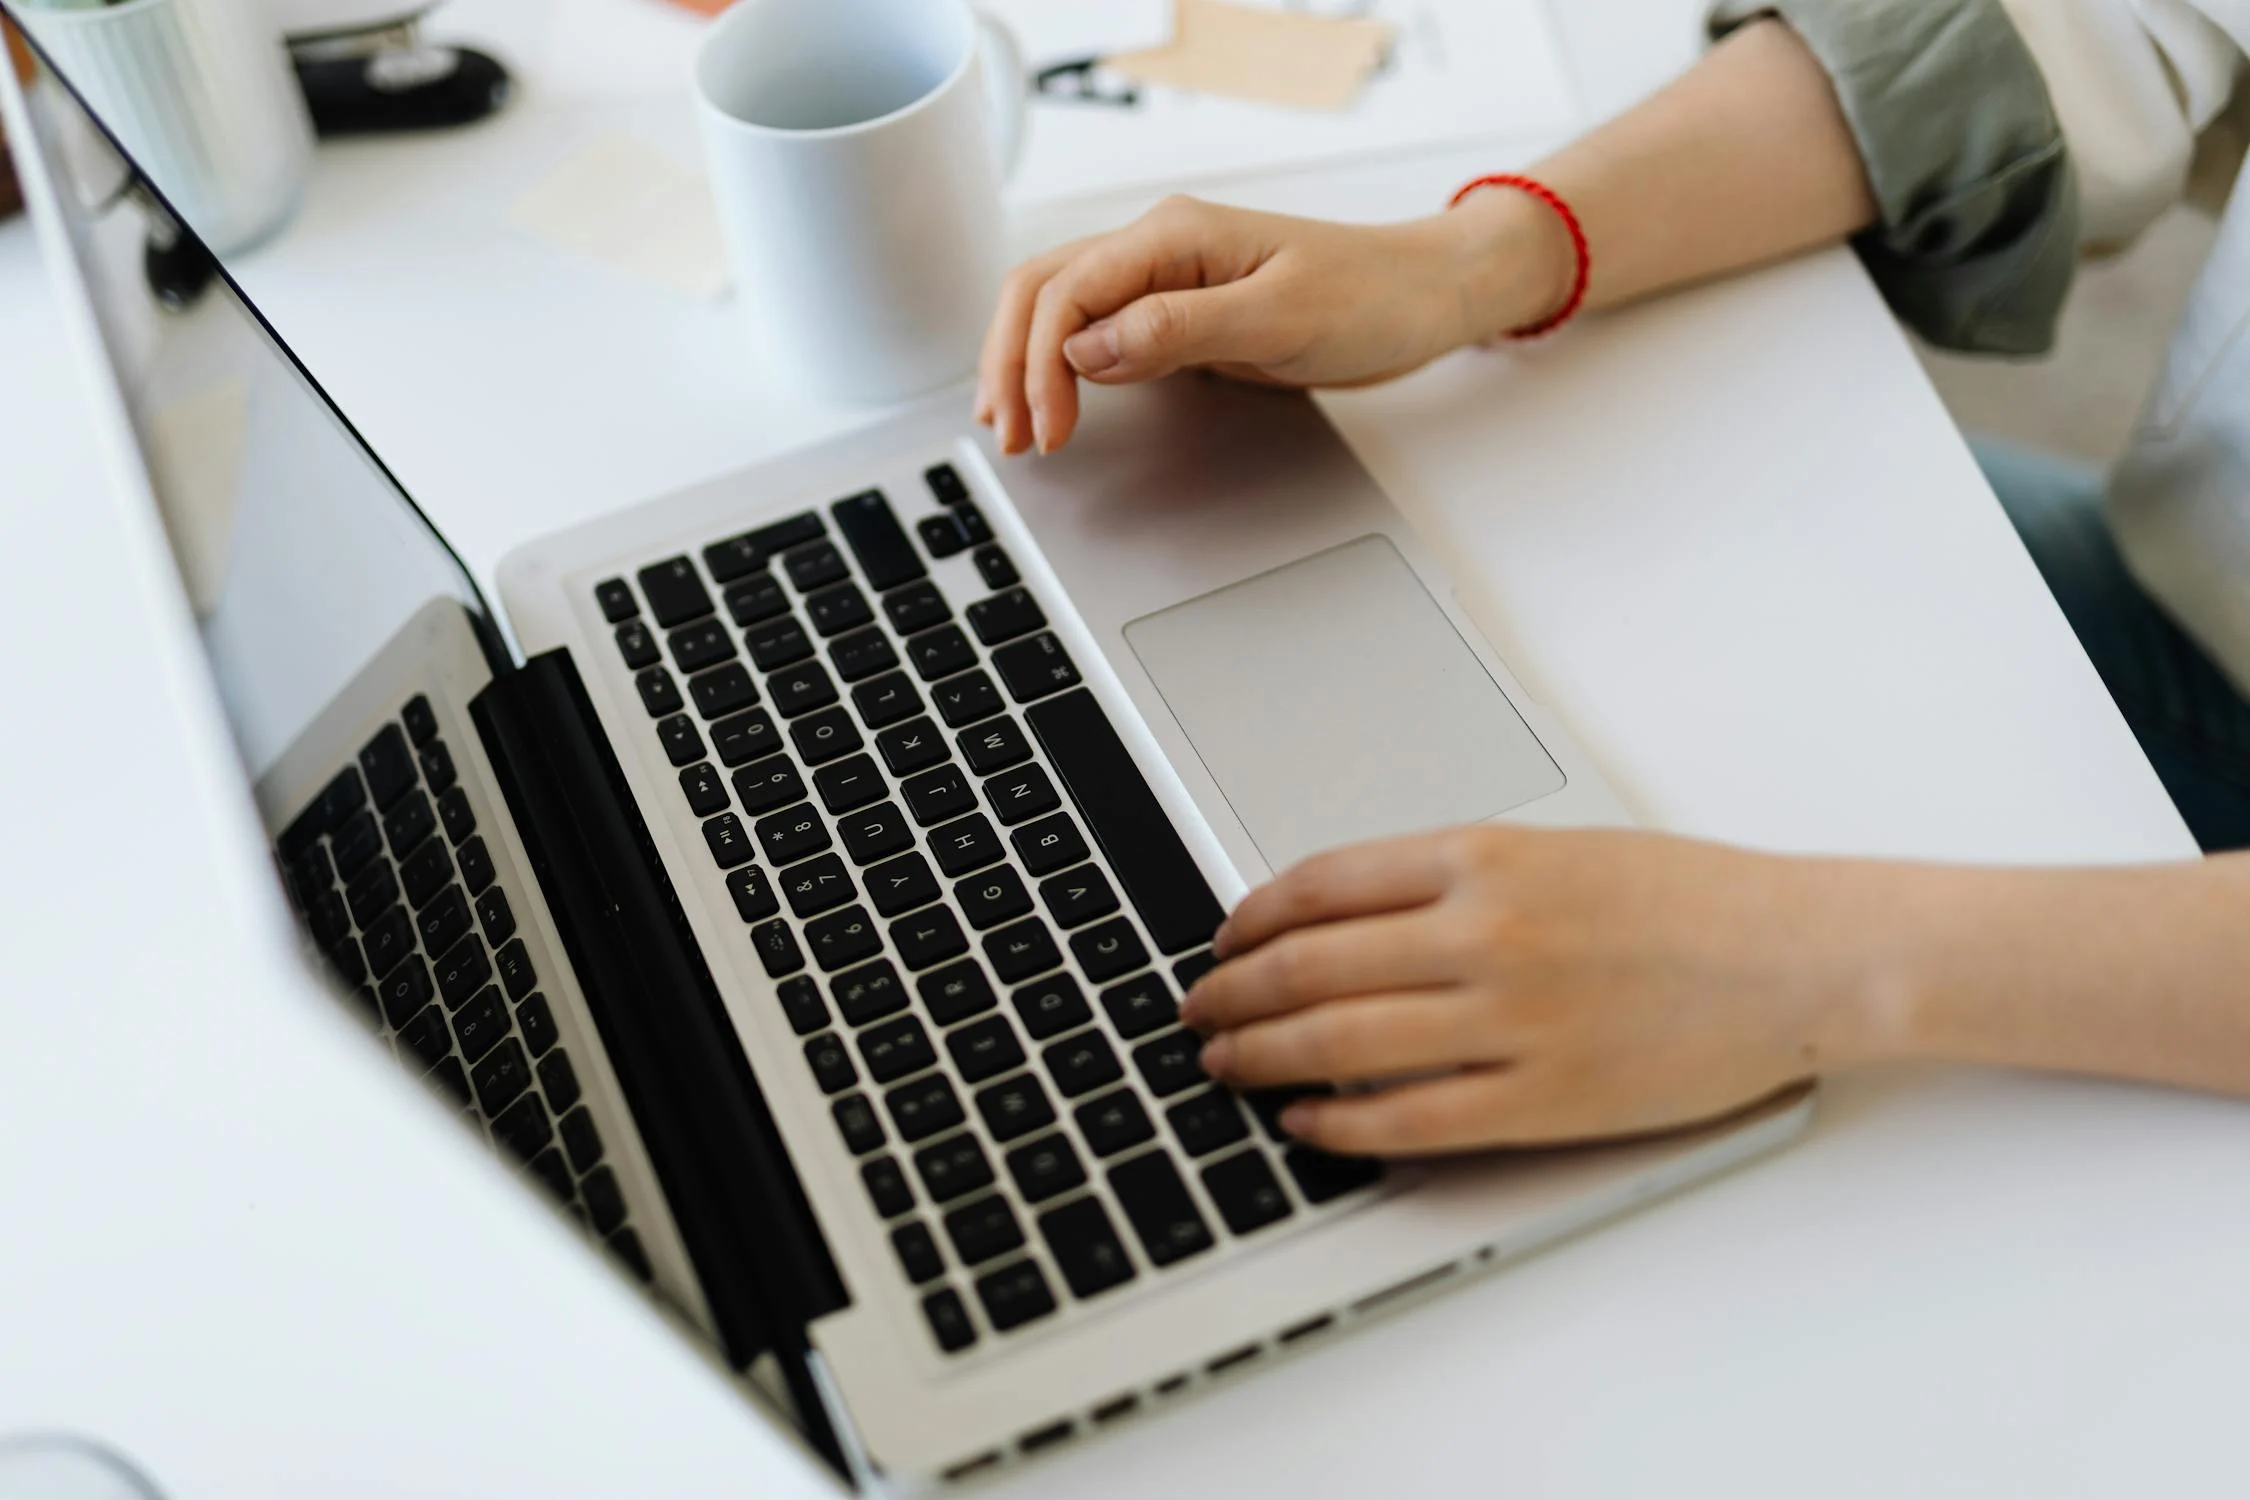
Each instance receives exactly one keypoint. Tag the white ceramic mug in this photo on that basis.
(857, 149)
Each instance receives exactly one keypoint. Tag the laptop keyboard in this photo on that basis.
(399, 891)
(976, 913)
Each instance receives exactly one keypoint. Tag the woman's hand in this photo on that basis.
(1260, 297)
(1567, 986)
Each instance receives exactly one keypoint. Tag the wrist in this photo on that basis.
(1511, 261)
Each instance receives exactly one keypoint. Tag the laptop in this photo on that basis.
(796, 877)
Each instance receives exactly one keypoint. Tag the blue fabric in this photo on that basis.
(2192, 724)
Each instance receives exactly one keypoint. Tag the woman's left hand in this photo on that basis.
(1562, 986)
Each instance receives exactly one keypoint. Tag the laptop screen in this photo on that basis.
(301, 556)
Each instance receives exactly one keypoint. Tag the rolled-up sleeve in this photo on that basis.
(1978, 237)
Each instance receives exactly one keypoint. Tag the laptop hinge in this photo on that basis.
(759, 1255)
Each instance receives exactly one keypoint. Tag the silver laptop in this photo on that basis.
(798, 875)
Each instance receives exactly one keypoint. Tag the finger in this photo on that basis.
(1372, 956)
(1000, 365)
(1363, 880)
(1490, 1106)
(1242, 326)
(1350, 1041)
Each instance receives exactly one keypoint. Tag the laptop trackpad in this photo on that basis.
(1333, 701)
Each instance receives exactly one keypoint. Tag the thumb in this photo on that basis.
(1168, 331)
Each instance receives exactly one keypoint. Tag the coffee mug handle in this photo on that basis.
(1007, 90)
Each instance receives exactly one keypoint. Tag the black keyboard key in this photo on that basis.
(995, 567)
(558, 1080)
(838, 609)
(756, 599)
(818, 885)
(965, 844)
(626, 1246)
(1078, 896)
(935, 796)
(821, 737)
(660, 695)
(1107, 951)
(354, 844)
(801, 689)
(1156, 1202)
(1015, 1295)
(426, 1036)
(1082, 1063)
(388, 940)
(344, 795)
(582, 1143)
(848, 785)
(1051, 1006)
(406, 991)
(745, 737)
(831, 1063)
(1160, 877)
(675, 594)
(615, 597)
(800, 1002)
(872, 531)
(915, 607)
(798, 833)
(329, 920)
(476, 866)
(523, 1128)
(913, 746)
(1020, 795)
(1021, 950)
(858, 1123)
(408, 823)
(886, 700)
(942, 534)
(956, 992)
(994, 747)
(867, 993)
(1005, 616)
(501, 1077)
(706, 791)
(1086, 1248)
(438, 772)
(1114, 1122)
(814, 565)
(682, 744)
(373, 889)
(790, 531)
(776, 947)
(514, 965)
(1207, 1122)
(1322, 1177)
(729, 841)
(722, 690)
(887, 1186)
(732, 558)
(953, 1168)
(1248, 1195)
(1171, 1063)
(1034, 668)
(949, 1321)
(1140, 1006)
(843, 938)
(972, 523)
(924, 1107)
(425, 872)
(1015, 1107)
(388, 763)
(777, 643)
(482, 1023)
(536, 1020)
(450, 1076)
(495, 916)
(1191, 968)
(876, 833)
(1049, 844)
(1046, 1168)
(705, 643)
(638, 646)
(965, 699)
(900, 885)
(605, 1201)
(985, 1049)
(928, 937)
(940, 652)
(983, 1230)
(862, 654)
(753, 894)
(345, 962)
(768, 784)
(444, 921)
(310, 876)
(946, 484)
(463, 970)
(918, 1255)
(992, 898)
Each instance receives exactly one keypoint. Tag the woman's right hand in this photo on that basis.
(1260, 297)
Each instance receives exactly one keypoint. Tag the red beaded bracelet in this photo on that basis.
(1553, 200)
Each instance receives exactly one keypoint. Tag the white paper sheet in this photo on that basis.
(1460, 69)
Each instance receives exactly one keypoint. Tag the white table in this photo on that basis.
(1731, 537)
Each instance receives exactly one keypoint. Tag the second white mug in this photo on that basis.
(857, 150)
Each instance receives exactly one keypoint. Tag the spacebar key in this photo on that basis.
(1133, 828)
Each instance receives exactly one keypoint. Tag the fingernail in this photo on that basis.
(1298, 1118)
(1222, 944)
(1191, 1008)
(1039, 431)
(981, 408)
(1217, 1053)
(1093, 350)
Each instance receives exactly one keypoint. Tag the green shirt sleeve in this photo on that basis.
(1979, 233)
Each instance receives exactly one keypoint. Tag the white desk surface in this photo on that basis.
(1731, 537)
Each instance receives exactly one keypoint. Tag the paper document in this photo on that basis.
(1279, 57)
